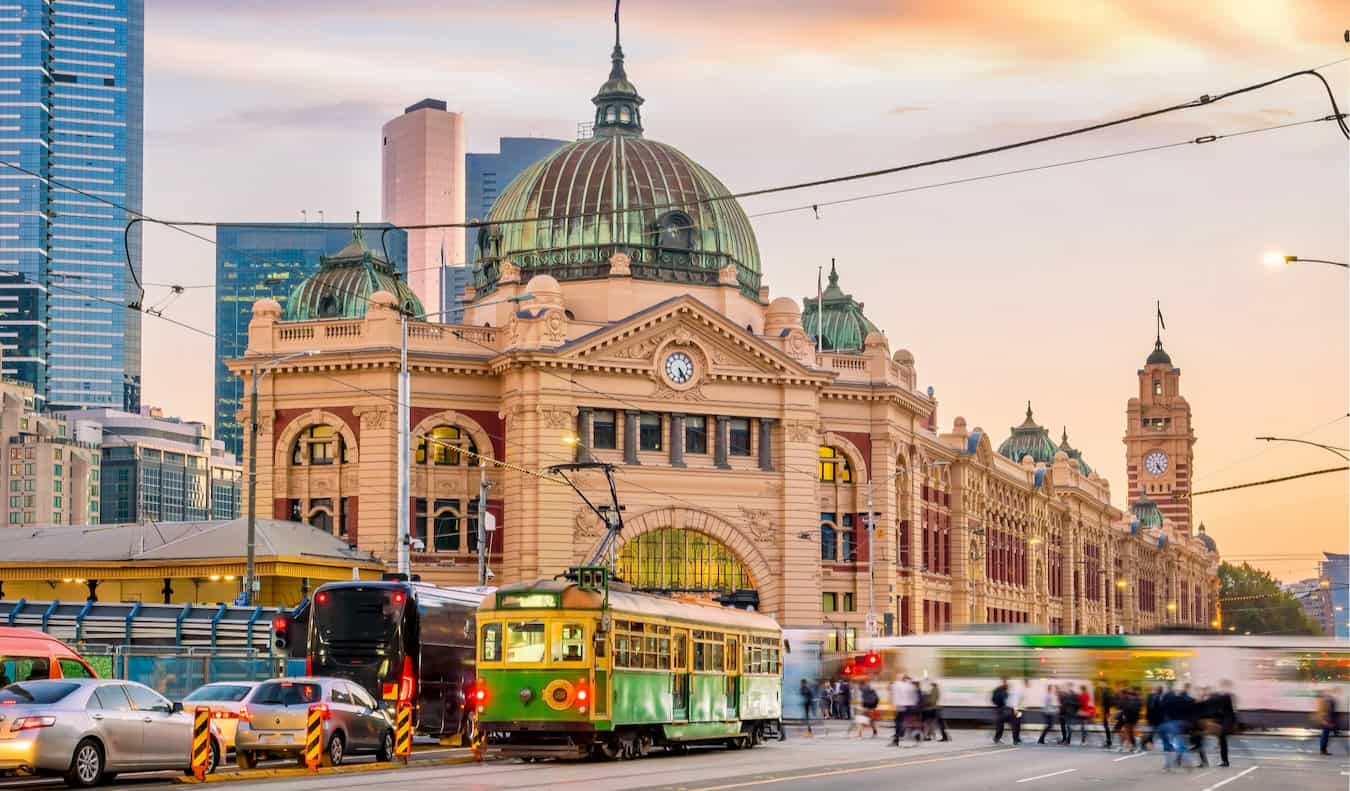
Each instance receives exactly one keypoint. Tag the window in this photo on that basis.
(445, 446)
(1157, 387)
(569, 642)
(361, 698)
(848, 536)
(14, 484)
(829, 545)
(603, 434)
(833, 465)
(738, 429)
(829, 601)
(56, 470)
(525, 641)
(338, 694)
(320, 444)
(146, 699)
(848, 602)
(695, 434)
(39, 692)
(649, 431)
(675, 231)
(492, 642)
(56, 502)
(110, 698)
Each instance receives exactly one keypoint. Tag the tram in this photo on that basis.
(581, 666)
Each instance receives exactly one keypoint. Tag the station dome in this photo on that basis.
(344, 284)
(1029, 439)
(618, 192)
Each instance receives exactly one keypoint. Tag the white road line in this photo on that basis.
(1222, 783)
(1052, 774)
(1128, 757)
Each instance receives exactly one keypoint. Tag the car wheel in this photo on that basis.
(213, 760)
(245, 759)
(336, 750)
(86, 765)
(386, 752)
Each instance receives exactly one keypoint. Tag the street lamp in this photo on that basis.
(1276, 259)
(259, 371)
(1340, 452)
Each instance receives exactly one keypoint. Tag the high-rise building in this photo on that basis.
(161, 469)
(486, 175)
(51, 469)
(453, 281)
(1333, 578)
(73, 110)
(423, 181)
(257, 261)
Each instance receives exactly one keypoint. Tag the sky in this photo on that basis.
(1038, 286)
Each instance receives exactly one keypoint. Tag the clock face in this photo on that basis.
(1156, 462)
(679, 368)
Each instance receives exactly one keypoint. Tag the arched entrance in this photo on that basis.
(680, 560)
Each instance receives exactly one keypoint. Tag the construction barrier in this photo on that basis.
(201, 741)
(314, 736)
(403, 731)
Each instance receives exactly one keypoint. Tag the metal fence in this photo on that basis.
(177, 672)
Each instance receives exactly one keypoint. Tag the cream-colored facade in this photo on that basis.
(51, 476)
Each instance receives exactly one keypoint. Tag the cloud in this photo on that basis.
(908, 108)
(321, 117)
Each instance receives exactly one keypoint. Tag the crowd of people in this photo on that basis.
(1169, 718)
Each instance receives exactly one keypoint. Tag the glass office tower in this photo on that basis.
(71, 115)
(269, 260)
(486, 175)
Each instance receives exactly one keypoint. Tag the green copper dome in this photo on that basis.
(342, 287)
(1073, 453)
(618, 192)
(837, 318)
(1146, 511)
(1029, 439)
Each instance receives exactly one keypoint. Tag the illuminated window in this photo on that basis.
(677, 559)
(446, 446)
(830, 458)
(320, 444)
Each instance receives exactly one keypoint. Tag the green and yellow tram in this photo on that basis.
(571, 670)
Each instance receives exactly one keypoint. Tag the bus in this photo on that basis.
(404, 642)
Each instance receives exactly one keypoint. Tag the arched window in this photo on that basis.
(320, 444)
(321, 514)
(677, 559)
(834, 465)
(445, 446)
(451, 525)
(829, 538)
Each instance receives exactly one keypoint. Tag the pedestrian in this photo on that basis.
(1175, 709)
(1224, 710)
(826, 694)
(1086, 712)
(842, 696)
(1105, 704)
(1130, 704)
(1002, 713)
(1327, 717)
(1049, 708)
(1016, 694)
(867, 715)
(1199, 722)
(1153, 715)
(1068, 711)
(808, 703)
(904, 700)
(934, 698)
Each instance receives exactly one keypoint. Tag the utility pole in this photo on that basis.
(871, 565)
(482, 523)
(404, 537)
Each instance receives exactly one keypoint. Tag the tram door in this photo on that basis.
(679, 675)
(733, 677)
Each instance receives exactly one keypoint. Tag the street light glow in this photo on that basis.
(1275, 259)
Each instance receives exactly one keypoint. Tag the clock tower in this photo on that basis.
(1159, 440)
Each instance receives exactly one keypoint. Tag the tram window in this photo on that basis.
(525, 641)
(651, 654)
(700, 652)
(569, 642)
(492, 642)
(621, 650)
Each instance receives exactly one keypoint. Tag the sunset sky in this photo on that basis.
(1038, 286)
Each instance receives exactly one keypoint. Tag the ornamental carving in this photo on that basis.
(374, 417)
(555, 326)
(586, 527)
(643, 349)
(800, 430)
(664, 390)
(555, 417)
(265, 424)
(758, 524)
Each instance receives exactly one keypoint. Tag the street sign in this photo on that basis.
(489, 521)
(871, 626)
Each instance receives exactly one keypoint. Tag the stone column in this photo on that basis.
(630, 436)
(584, 434)
(720, 444)
(676, 439)
(766, 444)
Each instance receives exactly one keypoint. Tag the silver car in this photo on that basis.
(87, 730)
(272, 721)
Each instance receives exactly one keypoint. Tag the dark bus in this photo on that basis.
(403, 642)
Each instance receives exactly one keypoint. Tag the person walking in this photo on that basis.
(808, 703)
(1199, 722)
(844, 696)
(905, 700)
(1175, 710)
(1068, 710)
(1224, 710)
(1129, 719)
(867, 715)
(1086, 712)
(1049, 710)
(1327, 717)
(1002, 714)
(1153, 715)
(825, 693)
(1105, 703)
(934, 700)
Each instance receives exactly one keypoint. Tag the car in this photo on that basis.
(272, 721)
(224, 699)
(30, 655)
(88, 730)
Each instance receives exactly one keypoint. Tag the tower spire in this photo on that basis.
(617, 102)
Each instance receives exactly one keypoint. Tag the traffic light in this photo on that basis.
(281, 627)
(872, 661)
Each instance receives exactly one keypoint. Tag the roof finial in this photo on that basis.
(1028, 410)
(616, 71)
(1064, 436)
(1160, 325)
(616, 23)
(834, 274)
(357, 233)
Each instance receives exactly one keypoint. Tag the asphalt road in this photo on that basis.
(835, 761)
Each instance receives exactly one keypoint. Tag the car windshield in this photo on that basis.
(36, 692)
(358, 614)
(224, 693)
(286, 693)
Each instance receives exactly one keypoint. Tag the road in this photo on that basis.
(832, 760)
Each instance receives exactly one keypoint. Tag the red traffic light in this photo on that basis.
(280, 623)
(873, 659)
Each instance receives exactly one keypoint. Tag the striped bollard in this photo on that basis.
(314, 737)
(403, 731)
(201, 741)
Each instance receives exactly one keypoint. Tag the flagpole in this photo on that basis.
(820, 311)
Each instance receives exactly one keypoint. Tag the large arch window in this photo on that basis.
(446, 446)
(320, 444)
(834, 465)
(449, 525)
(675, 231)
(678, 559)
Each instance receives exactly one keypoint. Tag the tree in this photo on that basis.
(1253, 602)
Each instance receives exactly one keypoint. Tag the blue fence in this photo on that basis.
(175, 674)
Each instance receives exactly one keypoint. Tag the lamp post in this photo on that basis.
(1277, 260)
(404, 449)
(259, 371)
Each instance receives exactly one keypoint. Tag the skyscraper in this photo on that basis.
(423, 181)
(270, 260)
(485, 175)
(72, 120)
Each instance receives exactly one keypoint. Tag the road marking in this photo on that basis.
(834, 772)
(1052, 774)
(1222, 783)
(1128, 757)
